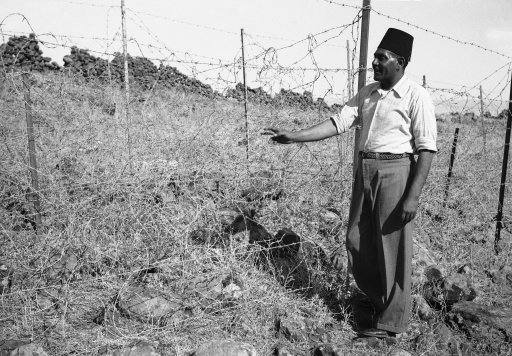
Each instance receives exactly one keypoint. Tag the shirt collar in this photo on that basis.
(399, 88)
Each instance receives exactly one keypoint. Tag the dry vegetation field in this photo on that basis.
(144, 209)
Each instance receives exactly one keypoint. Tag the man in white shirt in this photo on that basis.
(396, 119)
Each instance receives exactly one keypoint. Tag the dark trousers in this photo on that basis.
(379, 245)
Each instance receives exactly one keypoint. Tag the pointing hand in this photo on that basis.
(279, 135)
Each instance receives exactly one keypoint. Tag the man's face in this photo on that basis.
(384, 65)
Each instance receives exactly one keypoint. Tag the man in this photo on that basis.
(397, 121)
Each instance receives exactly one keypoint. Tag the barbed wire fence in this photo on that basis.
(188, 150)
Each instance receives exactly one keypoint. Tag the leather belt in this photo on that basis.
(383, 155)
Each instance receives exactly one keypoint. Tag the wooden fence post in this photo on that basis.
(450, 168)
(126, 86)
(34, 194)
(499, 215)
(482, 118)
(245, 101)
(349, 73)
(361, 80)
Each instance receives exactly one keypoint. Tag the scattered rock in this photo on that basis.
(259, 235)
(259, 195)
(45, 303)
(146, 273)
(205, 236)
(326, 350)
(300, 329)
(464, 269)
(109, 315)
(502, 276)
(330, 216)
(283, 351)
(6, 346)
(147, 305)
(240, 239)
(424, 311)
(6, 277)
(457, 288)
(330, 223)
(138, 350)
(225, 348)
(20, 348)
(490, 328)
(232, 291)
(63, 266)
(286, 243)
(442, 292)
(444, 336)
(227, 216)
(292, 329)
(399, 352)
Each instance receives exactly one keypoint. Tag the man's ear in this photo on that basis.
(401, 61)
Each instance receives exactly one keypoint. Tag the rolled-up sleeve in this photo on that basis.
(347, 117)
(423, 122)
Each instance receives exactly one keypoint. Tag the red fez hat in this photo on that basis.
(398, 42)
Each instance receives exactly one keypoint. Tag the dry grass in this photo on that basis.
(109, 215)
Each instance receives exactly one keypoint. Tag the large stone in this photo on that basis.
(6, 346)
(286, 243)
(489, 328)
(147, 305)
(138, 350)
(206, 236)
(292, 329)
(327, 350)
(257, 233)
(444, 337)
(227, 216)
(283, 351)
(442, 292)
(225, 348)
(29, 349)
(458, 287)
(421, 307)
(63, 266)
(399, 352)
(502, 277)
(330, 223)
(299, 329)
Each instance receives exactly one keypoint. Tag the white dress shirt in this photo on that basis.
(399, 120)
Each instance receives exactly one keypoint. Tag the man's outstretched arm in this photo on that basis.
(317, 132)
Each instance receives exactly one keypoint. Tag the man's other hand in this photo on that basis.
(279, 135)
(409, 208)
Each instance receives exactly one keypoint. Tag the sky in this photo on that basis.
(207, 33)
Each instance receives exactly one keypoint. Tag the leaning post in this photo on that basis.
(499, 215)
(450, 168)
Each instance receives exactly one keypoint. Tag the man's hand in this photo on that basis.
(410, 203)
(409, 208)
(279, 135)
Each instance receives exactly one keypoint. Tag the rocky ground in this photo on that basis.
(179, 245)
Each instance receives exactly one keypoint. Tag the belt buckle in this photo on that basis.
(377, 155)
